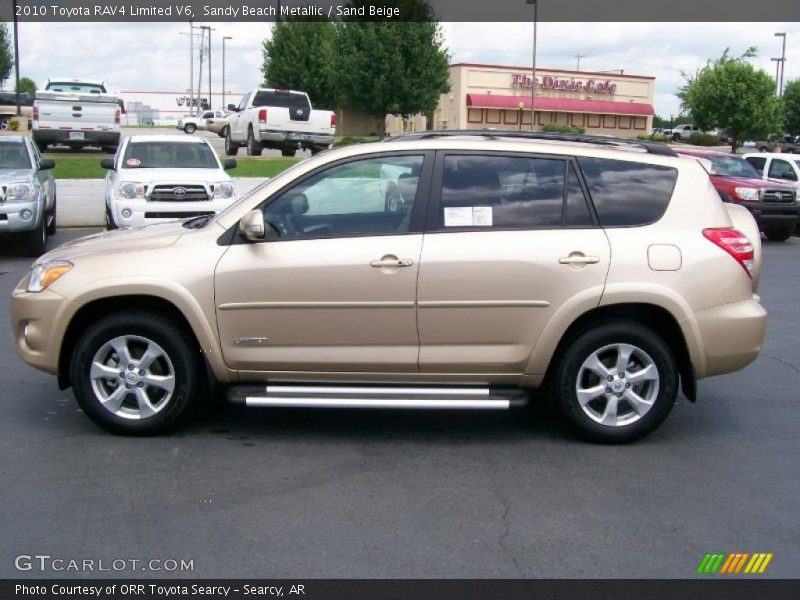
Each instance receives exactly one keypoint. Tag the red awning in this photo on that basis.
(600, 107)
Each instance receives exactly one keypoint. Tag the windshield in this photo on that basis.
(169, 155)
(14, 156)
(732, 166)
(75, 88)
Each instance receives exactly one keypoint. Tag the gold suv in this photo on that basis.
(453, 271)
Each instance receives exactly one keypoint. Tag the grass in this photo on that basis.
(88, 167)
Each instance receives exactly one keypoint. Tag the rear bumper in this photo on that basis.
(729, 336)
(90, 138)
(294, 139)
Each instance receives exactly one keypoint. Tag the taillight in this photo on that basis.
(333, 120)
(117, 116)
(735, 243)
(35, 113)
(262, 115)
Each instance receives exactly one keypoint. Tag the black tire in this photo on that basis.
(565, 381)
(676, 137)
(317, 149)
(50, 217)
(763, 149)
(231, 149)
(41, 146)
(223, 132)
(178, 345)
(778, 234)
(289, 152)
(110, 224)
(190, 128)
(109, 149)
(35, 242)
(4, 121)
(254, 148)
(75, 147)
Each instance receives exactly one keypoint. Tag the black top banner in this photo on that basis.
(402, 10)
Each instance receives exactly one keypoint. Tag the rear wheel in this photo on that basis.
(778, 234)
(616, 382)
(136, 373)
(763, 149)
(231, 149)
(254, 148)
(190, 128)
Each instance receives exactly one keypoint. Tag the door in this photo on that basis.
(237, 120)
(335, 287)
(511, 239)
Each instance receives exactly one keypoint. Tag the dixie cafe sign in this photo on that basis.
(549, 82)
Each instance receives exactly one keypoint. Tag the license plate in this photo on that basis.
(76, 135)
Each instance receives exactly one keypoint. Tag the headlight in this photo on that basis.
(224, 189)
(44, 274)
(750, 194)
(19, 192)
(131, 191)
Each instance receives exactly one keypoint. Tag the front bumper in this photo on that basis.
(11, 216)
(774, 214)
(90, 138)
(143, 212)
(296, 139)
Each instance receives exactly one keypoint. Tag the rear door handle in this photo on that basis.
(578, 259)
(391, 263)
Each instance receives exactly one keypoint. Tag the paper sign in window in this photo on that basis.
(468, 216)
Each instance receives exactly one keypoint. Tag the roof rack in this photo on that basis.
(608, 140)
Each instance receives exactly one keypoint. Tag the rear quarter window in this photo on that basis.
(628, 193)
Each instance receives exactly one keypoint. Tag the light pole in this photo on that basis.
(533, 65)
(225, 37)
(16, 57)
(777, 62)
(208, 29)
(782, 61)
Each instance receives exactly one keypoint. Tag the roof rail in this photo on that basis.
(648, 146)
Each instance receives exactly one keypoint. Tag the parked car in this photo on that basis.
(218, 125)
(192, 124)
(278, 119)
(157, 178)
(776, 167)
(27, 193)
(777, 143)
(8, 107)
(773, 205)
(77, 113)
(608, 274)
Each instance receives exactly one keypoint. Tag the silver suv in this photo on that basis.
(442, 270)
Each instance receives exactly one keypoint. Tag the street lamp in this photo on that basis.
(225, 37)
(781, 62)
(533, 65)
(521, 105)
(208, 29)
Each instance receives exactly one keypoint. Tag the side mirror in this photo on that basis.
(46, 164)
(252, 226)
(233, 108)
(230, 163)
(107, 163)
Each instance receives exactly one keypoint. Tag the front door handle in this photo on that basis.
(577, 258)
(392, 263)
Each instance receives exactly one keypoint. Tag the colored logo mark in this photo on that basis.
(736, 562)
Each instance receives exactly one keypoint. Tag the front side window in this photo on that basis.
(781, 169)
(373, 196)
(627, 193)
(169, 155)
(758, 162)
(510, 192)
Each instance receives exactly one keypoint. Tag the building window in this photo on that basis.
(578, 120)
(492, 116)
(640, 122)
(610, 121)
(562, 118)
(475, 115)
(526, 117)
(511, 117)
(624, 122)
(593, 121)
(544, 117)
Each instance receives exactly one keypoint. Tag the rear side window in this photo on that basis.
(628, 193)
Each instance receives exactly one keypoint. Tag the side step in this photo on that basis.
(394, 397)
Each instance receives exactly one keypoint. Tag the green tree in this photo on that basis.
(791, 106)
(6, 54)
(26, 85)
(390, 67)
(301, 55)
(731, 94)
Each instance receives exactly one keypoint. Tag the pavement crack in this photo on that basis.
(506, 530)
(785, 362)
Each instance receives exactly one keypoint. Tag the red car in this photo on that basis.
(773, 205)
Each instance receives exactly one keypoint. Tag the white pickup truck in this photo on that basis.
(279, 119)
(77, 113)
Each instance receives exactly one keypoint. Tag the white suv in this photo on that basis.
(156, 178)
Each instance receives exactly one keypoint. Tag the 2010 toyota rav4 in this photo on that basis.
(434, 271)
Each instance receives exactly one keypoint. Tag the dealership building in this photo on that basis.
(499, 97)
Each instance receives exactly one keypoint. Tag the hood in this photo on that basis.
(795, 185)
(177, 176)
(753, 183)
(9, 175)
(146, 237)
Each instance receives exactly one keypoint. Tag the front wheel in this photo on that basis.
(778, 234)
(36, 240)
(190, 128)
(616, 382)
(136, 373)
(51, 217)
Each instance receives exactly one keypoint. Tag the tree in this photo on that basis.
(6, 54)
(731, 94)
(791, 106)
(301, 55)
(26, 85)
(390, 67)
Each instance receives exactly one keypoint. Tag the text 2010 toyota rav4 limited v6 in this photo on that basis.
(434, 271)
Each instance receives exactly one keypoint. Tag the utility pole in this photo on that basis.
(782, 62)
(200, 76)
(777, 62)
(16, 57)
(533, 62)
(209, 30)
(193, 102)
(579, 57)
(225, 37)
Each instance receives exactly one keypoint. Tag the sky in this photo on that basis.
(155, 56)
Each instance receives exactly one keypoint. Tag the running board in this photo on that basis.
(333, 396)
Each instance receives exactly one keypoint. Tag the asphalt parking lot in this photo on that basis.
(248, 493)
